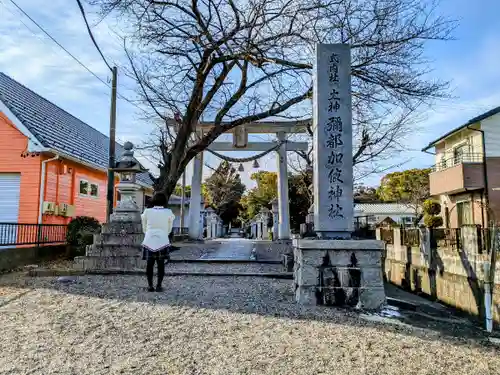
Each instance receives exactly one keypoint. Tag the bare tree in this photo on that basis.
(231, 62)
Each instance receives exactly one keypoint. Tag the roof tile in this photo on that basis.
(57, 129)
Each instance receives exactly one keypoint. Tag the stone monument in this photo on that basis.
(118, 246)
(334, 269)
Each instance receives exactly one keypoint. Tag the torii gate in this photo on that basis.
(240, 143)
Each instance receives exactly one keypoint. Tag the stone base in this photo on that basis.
(117, 247)
(339, 273)
(97, 263)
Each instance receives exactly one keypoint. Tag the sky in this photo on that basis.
(470, 62)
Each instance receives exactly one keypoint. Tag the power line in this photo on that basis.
(56, 42)
(82, 11)
(70, 54)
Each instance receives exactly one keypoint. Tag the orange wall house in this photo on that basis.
(12, 144)
(52, 165)
(62, 180)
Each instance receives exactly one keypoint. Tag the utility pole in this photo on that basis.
(183, 189)
(112, 148)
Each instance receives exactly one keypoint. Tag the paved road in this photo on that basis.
(231, 248)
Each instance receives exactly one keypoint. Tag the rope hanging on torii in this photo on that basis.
(250, 158)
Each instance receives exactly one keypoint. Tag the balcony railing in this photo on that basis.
(451, 161)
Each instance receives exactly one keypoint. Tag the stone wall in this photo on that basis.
(451, 275)
(21, 256)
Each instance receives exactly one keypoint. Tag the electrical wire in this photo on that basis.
(82, 11)
(70, 54)
(56, 42)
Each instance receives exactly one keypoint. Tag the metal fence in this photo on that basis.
(453, 160)
(12, 234)
(410, 237)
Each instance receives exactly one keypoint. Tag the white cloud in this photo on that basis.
(33, 59)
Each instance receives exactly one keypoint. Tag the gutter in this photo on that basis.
(90, 165)
(42, 186)
(485, 177)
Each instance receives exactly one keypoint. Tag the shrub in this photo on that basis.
(432, 221)
(432, 207)
(80, 233)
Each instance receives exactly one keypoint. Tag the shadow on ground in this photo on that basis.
(244, 295)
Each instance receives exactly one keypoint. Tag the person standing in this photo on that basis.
(157, 223)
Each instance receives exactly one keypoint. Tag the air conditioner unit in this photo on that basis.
(49, 208)
(63, 209)
(70, 211)
(66, 210)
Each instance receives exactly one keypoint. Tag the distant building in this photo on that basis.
(458, 179)
(372, 214)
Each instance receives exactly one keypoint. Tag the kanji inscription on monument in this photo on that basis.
(332, 125)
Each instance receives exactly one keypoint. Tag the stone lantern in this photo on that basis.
(210, 222)
(127, 168)
(264, 217)
(275, 212)
(118, 246)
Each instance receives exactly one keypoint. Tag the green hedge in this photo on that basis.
(80, 233)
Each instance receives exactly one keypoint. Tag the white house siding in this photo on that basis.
(465, 136)
(491, 127)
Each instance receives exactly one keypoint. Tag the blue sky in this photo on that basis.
(471, 62)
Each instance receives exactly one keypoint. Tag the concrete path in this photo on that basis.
(231, 248)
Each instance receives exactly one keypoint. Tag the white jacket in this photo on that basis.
(157, 223)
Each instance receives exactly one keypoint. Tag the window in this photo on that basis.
(94, 190)
(460, 152)
(84, 187)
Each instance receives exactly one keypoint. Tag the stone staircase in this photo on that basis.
(117, 247)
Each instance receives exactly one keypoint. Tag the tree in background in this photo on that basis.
(365, 194)
(223, 192)
(299, 195)
(261, 195)
(410, 187)
(187, 190)
(300, 198)
(432, 209)
(235, 62)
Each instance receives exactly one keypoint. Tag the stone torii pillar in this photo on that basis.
(195, 229)
(283, 205)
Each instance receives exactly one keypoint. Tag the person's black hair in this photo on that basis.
(159, 199)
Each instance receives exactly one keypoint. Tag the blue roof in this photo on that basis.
(57, 129)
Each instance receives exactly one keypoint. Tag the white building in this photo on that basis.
(374, 213)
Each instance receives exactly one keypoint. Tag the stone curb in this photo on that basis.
(225, 261)
(401, 303)
(60, 272)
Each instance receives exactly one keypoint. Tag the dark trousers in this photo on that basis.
(150, 268)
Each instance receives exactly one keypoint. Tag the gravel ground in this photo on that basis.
(193, 250)
(226, 268)
(216, 325)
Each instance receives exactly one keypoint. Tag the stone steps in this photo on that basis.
(118, 239)
(121, 227)
(114, 250)
(109, 262)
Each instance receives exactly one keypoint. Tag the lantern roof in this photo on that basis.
(127, 162)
